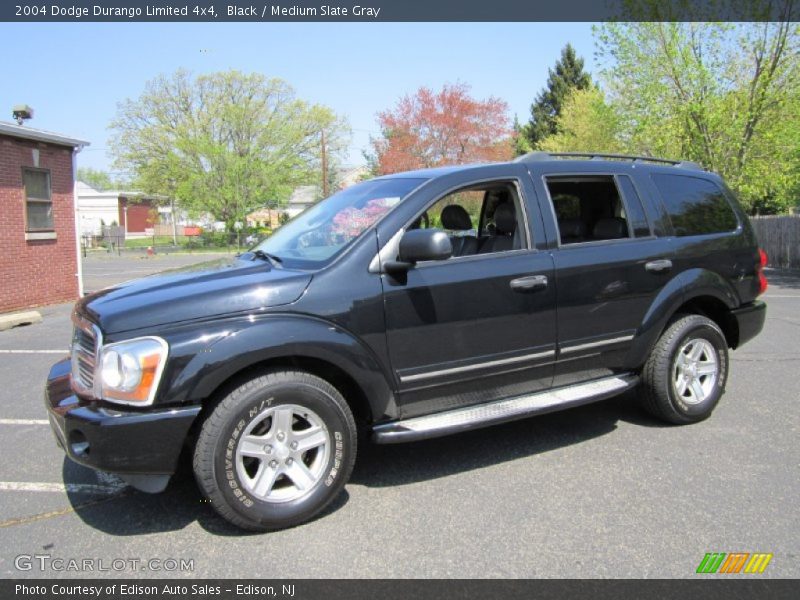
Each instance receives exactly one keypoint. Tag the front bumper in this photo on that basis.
(134, 444)
(749, 320)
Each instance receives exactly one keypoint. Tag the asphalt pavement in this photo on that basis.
(597, 491)
(102, 269)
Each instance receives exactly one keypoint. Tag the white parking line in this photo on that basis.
(34, 351)
(24, 422)
(65, 488)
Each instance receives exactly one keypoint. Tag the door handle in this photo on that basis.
(529, 284)
(658, 266)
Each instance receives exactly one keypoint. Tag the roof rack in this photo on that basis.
(542, 156)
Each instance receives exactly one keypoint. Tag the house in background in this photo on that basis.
(38, 240)
(136, 212)
(348, 176)
(302, 198)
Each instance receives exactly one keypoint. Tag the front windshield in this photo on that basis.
(316, 236)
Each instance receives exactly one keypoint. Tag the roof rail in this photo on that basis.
(541, 156)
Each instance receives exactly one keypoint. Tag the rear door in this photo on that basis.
(478, 326)
(708, 232)
(609, 268)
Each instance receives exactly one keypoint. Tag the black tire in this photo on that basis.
(223, 474)
(660, 395)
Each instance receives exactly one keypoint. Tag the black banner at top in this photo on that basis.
(395, 10)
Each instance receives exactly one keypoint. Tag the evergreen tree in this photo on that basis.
(567, 76)
(521, 143)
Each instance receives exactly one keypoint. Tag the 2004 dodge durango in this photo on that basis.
(410, 306)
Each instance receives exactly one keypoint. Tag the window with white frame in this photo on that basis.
(38, 200)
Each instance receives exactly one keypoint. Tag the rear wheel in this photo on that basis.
(276, 451)
(685, 375)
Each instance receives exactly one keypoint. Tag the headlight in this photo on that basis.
(130, 371)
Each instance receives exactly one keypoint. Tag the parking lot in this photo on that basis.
(102, 269)
(597, 491)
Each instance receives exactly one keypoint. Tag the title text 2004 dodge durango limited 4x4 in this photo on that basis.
(410, 306)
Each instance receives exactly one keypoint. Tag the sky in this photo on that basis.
(74, 74)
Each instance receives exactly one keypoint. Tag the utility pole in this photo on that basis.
(173, 212)
(174, 220)
(324, 167)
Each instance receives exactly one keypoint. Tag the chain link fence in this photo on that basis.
(114, 240)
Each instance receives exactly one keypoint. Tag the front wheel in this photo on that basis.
(685, 375)
(276, 451)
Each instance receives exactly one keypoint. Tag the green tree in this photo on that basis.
(521, 143)
(223, 143)
(335, 139)
(722, 94)
(567, 75)
(586, 124)
(100, 180)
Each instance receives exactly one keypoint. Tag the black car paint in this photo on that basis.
(380, 331)
(110, 439)
(228, 287)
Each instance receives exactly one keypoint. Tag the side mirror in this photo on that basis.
(425, 244)
(421, 244)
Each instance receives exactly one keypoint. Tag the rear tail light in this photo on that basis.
(762, 280)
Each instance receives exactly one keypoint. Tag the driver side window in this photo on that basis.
(481, 219)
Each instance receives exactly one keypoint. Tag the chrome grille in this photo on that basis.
(86, 341)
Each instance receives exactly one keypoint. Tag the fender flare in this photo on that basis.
(240, 345)
(692, 283)
(702, 282)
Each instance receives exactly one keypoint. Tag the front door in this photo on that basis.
(480, 325)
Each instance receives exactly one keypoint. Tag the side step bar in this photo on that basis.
(499, 411)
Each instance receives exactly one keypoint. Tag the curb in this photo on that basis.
(10, 320)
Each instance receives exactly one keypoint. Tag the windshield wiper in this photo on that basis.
(272, 258)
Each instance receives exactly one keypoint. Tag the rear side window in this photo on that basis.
(695, 206)
(588, 208)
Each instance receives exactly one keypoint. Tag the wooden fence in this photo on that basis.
(164, 229)
(780, 238)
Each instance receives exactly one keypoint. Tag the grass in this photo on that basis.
(165, 243)
(160, 240)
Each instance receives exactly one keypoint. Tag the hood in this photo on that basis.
(210, 289)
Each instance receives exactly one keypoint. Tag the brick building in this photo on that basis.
(38, 243)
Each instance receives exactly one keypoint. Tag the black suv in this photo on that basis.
(407, 307)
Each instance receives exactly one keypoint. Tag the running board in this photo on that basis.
(491, 413)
